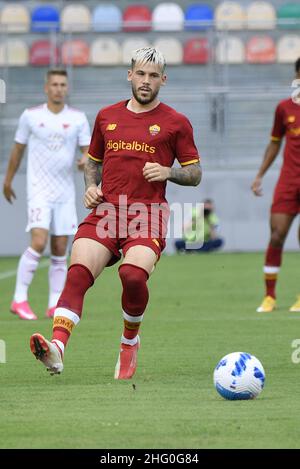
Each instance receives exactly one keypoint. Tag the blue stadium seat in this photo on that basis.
(107, 17)
(198, 16)
(45, 18)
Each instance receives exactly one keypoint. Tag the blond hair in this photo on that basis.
(56, 71)
(148, 54)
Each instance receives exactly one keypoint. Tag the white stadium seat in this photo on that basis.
(230, 50)
(167, 17)
(14, 53)
(171, 49)
(261, 15)
(105, 51)
(230, 15)
(130, 45)
(288, 48)
(75, 18)
(15, 18)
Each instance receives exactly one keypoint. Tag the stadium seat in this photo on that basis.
(75, 18)
(196, 51)
(75, 52)
(167, 17)
(105, 51)
(15, 18)
(107, 17)
(171, 49)
(14, 53)
(45, 18)
(130, 45)
(260, 50)
(261, 15)
(230, 50)
(230, 15)
(198, 16)
(44, 53)
(288, 16)
(137, 18)
(288, 48)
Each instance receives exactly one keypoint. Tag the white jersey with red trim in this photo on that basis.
(52, 141)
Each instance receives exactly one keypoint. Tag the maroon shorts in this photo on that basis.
(116, 229)
(286, 198)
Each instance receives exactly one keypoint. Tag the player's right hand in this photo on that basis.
(93, 197)
(257, 186)
(9, 193)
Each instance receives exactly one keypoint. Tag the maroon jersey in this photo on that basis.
(287, 123)
(124, 141)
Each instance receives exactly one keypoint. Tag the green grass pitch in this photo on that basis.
(201, 308)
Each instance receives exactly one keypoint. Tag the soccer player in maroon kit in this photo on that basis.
(286, 199)
(133, 147)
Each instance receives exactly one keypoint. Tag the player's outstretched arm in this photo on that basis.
(81, 162)
(92, 173)
(15, 158)
(92, 176)
(187, 176)
(271, 152)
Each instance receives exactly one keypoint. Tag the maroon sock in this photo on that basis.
(79, 280)
(134, 297)
(272, 265)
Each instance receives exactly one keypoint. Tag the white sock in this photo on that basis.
(57, 277)
(129, 341)
(26, 268)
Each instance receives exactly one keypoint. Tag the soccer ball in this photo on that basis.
(239, 375)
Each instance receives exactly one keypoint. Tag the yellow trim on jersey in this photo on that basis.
(189, 162)
(95, 159)
(275, 139)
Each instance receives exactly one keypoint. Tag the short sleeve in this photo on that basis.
(23, 130)
(186, 151)
(84, 136)
(96, 149)
(278, 130)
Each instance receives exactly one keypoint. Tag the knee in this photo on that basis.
(277, 238)
(132, 277)
(79, 278)
(38, 244)
(59, 251)
(58, 247)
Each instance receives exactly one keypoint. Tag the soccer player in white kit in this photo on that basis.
(52, 132)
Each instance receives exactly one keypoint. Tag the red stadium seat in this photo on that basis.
(261, 49)
(75, 52)
(196, 51)
(137, 18)
(44, 53)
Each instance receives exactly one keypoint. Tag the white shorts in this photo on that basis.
(60, 219)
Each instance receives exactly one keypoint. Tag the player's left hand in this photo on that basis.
(81, 162)
(154, 172)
